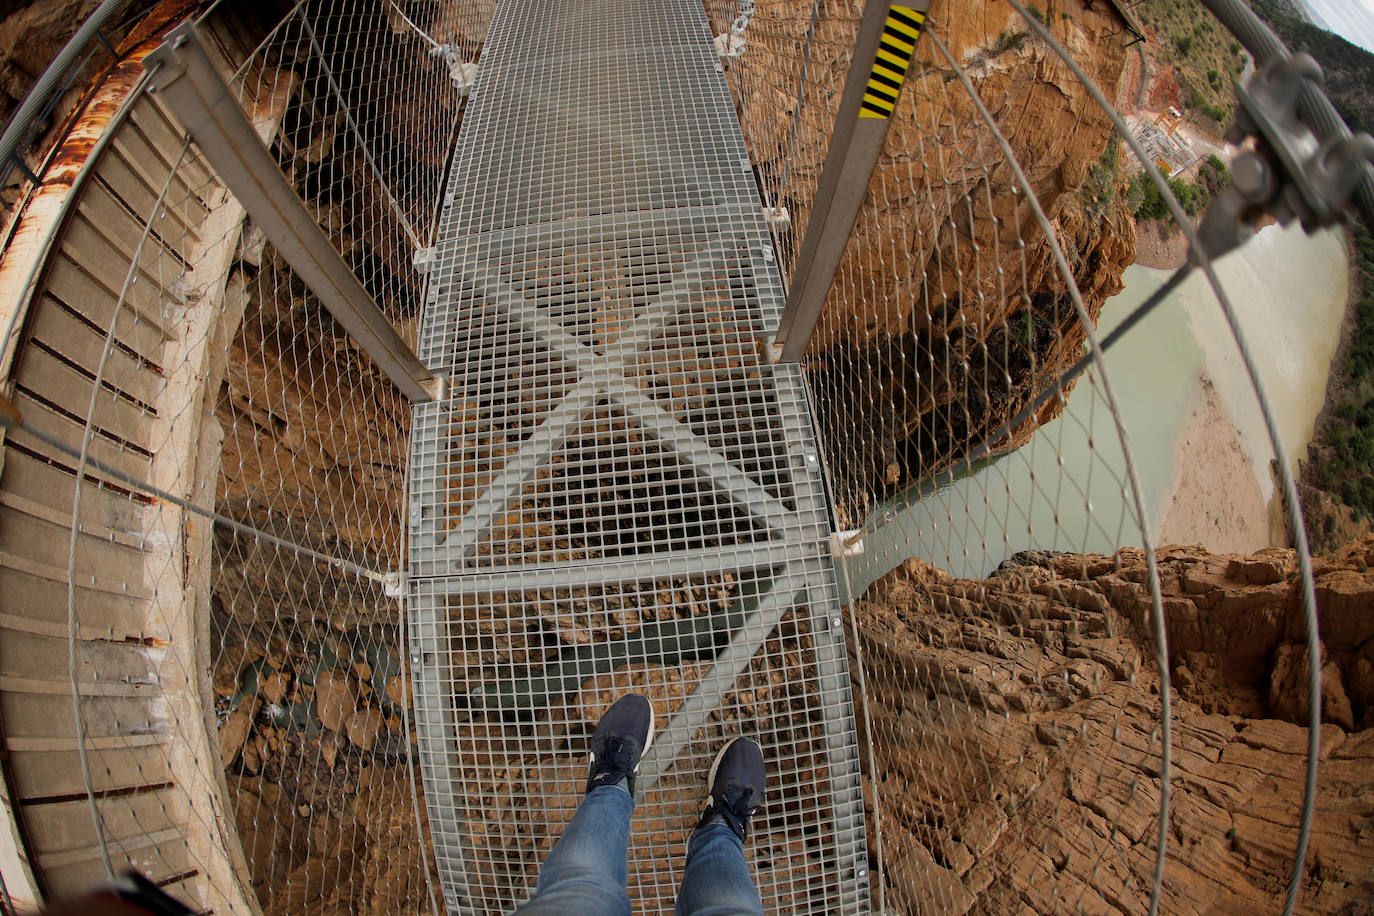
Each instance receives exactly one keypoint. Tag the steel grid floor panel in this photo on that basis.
(618, 491)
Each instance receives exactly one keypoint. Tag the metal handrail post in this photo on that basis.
(182, 74)
(882, 56)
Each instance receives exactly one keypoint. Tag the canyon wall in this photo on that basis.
(1014, 726)
(948, 314)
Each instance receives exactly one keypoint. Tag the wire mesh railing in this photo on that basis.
(229, 469)
(205, 666)
(958, 426)
(786, 65)
(378, 94)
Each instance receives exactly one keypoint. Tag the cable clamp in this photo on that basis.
(730, 46)
(1286, 172)
(777, 218)
(463, 73)
(846, 545)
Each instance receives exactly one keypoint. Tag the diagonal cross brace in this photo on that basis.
(757, 625)
(664, 429)
(534, 453)
(604, 375)
(676, 641)
(644, 328)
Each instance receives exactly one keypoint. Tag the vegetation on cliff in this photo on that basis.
(1203, 59)
(1349, 68)
(1337, 480)
(1146, 202)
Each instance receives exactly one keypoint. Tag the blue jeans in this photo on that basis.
(585, 872)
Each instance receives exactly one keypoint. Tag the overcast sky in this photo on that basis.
(1353, 20)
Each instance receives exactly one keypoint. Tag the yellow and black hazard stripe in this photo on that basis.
(898, 44)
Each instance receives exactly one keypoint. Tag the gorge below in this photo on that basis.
(1200, 448)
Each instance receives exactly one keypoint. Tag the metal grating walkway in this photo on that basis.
(618, 493)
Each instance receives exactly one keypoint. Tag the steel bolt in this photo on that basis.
(1251, 176)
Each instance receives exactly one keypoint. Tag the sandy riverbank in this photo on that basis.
(1200, 450)
(1215, 498)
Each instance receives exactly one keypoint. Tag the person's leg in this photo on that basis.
(716, 880)
(585, 872)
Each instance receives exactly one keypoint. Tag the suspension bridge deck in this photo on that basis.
(618, 491)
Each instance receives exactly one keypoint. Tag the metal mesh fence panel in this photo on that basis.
(284, 641)
(211, 480)
(786, 65)
(1011, 636)
(377, 94)
(309, 675)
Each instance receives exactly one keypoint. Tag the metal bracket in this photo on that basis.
(1289, 174)
(777, 218)
(463, 74)
(394, 585)
(423, 259)
(182, 74)
(846, 545)
(438, 388)
(730, 46)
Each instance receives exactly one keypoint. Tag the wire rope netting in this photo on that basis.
(786, 65)
(235, 715)
(1024, 744)
(205, 670)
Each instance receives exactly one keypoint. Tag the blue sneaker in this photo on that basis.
(737, 779)
(624, 734)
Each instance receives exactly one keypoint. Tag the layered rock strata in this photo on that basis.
(1014, 727)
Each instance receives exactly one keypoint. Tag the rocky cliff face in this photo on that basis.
(948, 314)
(31, 34)
(1014, 726)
